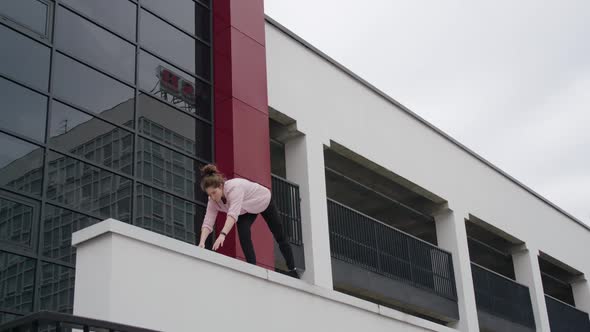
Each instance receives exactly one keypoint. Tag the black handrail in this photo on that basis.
(287, 199)
(364, 241)
(564, 317)
(65, 322)
(502, 297)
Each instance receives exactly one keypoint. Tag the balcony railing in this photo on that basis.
(286, 196)
(366, 242)
(502, 297)
(565, 318)
(58, 322)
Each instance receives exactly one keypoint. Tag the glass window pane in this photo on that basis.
(173, 44)
(186, 14)
(24, 59)
(21, 165)
(6, 317)
(17, 216)
(23, 111)
(56, 291)
(181, 131)
(85, 187)
(17, 278)
(58, 226)
(167, 82)
(91, 138)
(31, 14)
(91, 43)
(119, 15)
(168, 169)
(92, 90)
(166, 214)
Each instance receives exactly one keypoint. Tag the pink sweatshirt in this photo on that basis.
(242, 196)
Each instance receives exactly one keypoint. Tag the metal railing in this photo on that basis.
(287, 199)
(502, 297)
(565, 318)
(363, 241)
(59, 322)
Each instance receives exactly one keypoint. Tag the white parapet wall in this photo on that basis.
(130, 275)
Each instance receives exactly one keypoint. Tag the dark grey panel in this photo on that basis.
(355, 280)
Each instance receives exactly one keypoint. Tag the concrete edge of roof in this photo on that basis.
(417, 117)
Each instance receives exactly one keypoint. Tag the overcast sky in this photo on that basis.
(508, 79)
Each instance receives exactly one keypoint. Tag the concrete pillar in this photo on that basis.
(241, 109)
(305, 166)
(452, 236)
(528, 273)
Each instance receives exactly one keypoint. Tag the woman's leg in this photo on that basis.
(275, 223)
(244, 223)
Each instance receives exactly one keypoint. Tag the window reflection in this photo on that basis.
(171, 43)
(16, 219)
(170, 126)
(20, 165)
(163, 213)
(91, 138)
(58, 226)
(164, 81)
(186, 14)
(92, 90)
(87, 188)
(91, 43)
(118, 15)
(17, 277)
(57, 288)
(30, 106)
(167, 169)
(31, 14)
(26, 60)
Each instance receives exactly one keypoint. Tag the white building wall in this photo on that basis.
(329, 104)
(152, 281)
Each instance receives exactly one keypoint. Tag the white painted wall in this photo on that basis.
(328, 104)
(129, 275)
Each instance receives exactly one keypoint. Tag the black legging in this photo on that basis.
(275, 223)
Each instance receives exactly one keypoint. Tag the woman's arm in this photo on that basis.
(204, 235)
(229, 223)
(208, 223)
(235, 198)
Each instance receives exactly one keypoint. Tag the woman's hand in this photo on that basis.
(202, 245)
(219, 242)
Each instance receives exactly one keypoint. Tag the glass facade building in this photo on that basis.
(105, 112)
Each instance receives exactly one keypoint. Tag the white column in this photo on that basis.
(581, 289)
(305, 166)
(452, 236)
(528, 273)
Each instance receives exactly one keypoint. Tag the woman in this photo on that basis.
(242, 201)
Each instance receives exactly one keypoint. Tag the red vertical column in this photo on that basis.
(241, 108)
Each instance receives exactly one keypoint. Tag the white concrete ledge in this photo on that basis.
(112, 226)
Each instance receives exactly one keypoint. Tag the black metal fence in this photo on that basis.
(361, 240)
(286, 196)
(502, 297)
(565, 318)
(59, 322)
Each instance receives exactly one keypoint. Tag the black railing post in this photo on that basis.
(286, 196)
(351, 241)
(411, 263)
(378, 251)
(565, 317)
(512, 303)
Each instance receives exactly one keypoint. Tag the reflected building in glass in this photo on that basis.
(99, 119)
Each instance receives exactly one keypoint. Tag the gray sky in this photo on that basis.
(509, 79)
